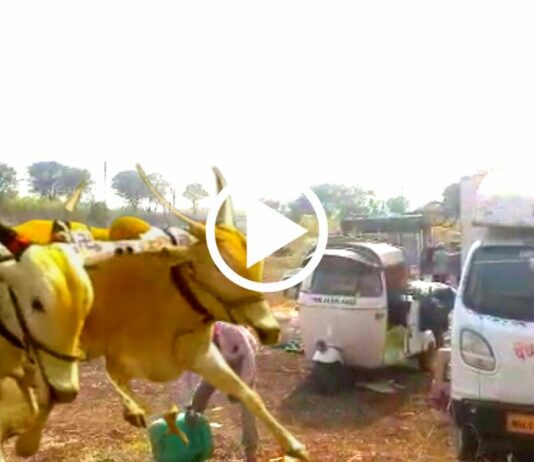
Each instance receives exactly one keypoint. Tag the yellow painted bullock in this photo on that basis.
(155, 305)
(45, 297)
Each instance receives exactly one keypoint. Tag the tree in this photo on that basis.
(338, 202)
(8, 181)
(129, 186)
(45, 179)
(195, 192)
(52, 180)
(451, 201)
(397, 204)
(299, 207)
(359, 202)
(161, 185)
(71, 178)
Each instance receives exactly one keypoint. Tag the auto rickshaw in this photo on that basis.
(358, 309)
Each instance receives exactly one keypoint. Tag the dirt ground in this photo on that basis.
(357, 426)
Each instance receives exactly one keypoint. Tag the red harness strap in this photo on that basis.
(12, 241)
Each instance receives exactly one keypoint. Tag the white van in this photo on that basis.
(492, 351)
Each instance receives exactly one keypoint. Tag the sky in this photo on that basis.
(398, 97)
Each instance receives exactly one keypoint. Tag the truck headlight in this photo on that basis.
(476, 351)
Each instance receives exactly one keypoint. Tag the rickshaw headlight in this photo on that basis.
(476, 351)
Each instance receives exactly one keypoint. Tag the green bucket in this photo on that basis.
(168, 447)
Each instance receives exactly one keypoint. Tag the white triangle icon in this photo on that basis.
(267, 231)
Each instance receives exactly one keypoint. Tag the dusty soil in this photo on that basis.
(358, 426)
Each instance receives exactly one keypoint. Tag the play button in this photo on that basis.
(268, 231)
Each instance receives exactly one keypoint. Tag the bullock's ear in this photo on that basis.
(13, 242)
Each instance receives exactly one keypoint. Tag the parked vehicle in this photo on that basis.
(492, 351)
(358, 309)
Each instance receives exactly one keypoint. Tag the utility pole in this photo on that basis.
(105, 182)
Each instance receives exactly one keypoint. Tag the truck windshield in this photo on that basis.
(343, 276)
(501, 282)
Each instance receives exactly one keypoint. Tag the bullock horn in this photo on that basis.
(226, 214)
(196, 228)
(75, 197)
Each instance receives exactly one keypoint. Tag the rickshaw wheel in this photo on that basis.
(330, 379)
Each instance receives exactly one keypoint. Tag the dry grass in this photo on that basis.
(358, 426)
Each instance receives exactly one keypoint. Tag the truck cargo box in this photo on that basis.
(505, 199)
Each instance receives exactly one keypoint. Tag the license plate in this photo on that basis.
(520, 423)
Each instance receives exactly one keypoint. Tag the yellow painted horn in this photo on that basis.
(196, 228)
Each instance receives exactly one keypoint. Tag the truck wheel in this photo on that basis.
(427, 359)
(465, 443)
(523, 456)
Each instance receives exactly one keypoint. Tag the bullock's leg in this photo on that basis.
(132, 411)
(1, 447)
(212, 367)
(28, 442)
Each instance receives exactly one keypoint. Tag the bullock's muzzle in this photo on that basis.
(269, 336)
(62, 378)
(63, 396)
(257, 314)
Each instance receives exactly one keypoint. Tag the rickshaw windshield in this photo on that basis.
(501, 282)
(344, 276)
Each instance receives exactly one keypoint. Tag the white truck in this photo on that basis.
(468, 195)
(492, 338)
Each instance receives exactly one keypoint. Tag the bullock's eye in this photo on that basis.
(37, 305)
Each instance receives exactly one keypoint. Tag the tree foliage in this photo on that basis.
(129, 186)
(339, 201)
(71, 178)
(161, 185)
(8, 181)
(195, 192)
(397, 204)
(52, 180)
(451, 201)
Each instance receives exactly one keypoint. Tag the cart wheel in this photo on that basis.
(465, 443)
(427, 359)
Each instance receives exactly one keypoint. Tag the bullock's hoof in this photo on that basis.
(135, 418)
(298, 452)
(28, 444)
